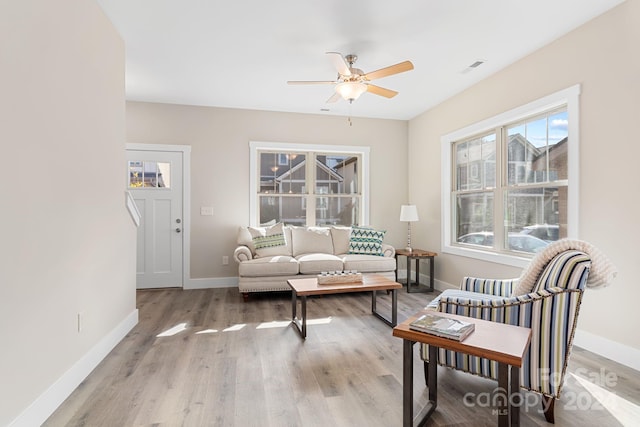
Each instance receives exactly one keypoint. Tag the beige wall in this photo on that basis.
(219, 140)
(603, 57)
(68, 245)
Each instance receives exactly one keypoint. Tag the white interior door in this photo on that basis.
(155, 180)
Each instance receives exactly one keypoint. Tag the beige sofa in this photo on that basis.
(295, 252)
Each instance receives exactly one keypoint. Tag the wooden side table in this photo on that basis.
(416, 255)
(488, 341)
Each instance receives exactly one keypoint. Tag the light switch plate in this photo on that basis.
(206, 210)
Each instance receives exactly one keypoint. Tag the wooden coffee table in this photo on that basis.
(503, 343)
(370, 283)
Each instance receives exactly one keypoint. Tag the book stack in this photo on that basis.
(442, 326)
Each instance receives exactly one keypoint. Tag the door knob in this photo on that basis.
(178, 230)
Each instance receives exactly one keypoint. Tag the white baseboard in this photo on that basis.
(613, 350)
(42, 408)
(214, 282)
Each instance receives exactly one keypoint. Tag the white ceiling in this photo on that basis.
(240, 54)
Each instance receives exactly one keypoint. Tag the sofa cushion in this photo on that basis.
(311, 240)
(319, 262)
(366, 241)
(369, 263)
(279, 265)
(270, 241)
(340, 237)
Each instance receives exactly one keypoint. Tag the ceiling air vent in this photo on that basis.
(473, 66)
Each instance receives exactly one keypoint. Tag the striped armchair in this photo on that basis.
(548, 305)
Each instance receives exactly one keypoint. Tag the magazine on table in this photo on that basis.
(446, 327)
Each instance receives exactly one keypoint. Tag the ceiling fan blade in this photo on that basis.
(334, 98)
(389, 71)
(377, 90)
(339, 63)
(299, 82)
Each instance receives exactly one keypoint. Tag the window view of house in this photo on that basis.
(148, 174)
(514, 178)
(309, 188)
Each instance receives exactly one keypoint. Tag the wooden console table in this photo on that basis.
(488, 340)
(416, 255)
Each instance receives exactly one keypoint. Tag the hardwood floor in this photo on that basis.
(206, 358)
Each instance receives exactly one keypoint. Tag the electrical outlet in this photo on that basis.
(225, 260)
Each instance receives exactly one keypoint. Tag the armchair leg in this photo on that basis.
(547, 407)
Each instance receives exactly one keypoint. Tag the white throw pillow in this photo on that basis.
(310, 240)
(340, 236)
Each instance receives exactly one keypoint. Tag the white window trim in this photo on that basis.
(255, 146)
(570, 97)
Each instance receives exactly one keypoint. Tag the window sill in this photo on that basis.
(495, 257)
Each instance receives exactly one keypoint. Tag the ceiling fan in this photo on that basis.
(353, 82)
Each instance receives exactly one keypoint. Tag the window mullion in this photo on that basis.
(311, 189)
(499, 213)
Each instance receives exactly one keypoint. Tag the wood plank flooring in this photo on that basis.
(206, 358)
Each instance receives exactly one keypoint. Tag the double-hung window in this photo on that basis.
(510, 183)
(308, 185)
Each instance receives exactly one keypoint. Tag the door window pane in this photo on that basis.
(149, 174)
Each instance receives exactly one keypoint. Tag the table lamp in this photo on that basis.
(409, 214)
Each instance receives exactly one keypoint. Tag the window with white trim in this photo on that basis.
(510, 183)
(308, 185)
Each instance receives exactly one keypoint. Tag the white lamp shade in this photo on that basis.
(409, 213)
(351, 90)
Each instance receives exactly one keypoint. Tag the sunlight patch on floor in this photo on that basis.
(319, 321)
(174, 330)
(274, 324)
(207, 331)
(626, 412)
(236, 327)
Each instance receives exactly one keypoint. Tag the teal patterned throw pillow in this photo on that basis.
(366, 241)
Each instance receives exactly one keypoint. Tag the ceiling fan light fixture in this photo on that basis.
(350, 91)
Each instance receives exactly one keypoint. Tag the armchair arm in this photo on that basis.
(388, 250)
(499, 287)
(242, 253)
(513, 310)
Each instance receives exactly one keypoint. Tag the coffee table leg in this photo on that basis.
(294, 305)
(301, 326)
(304, 316)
